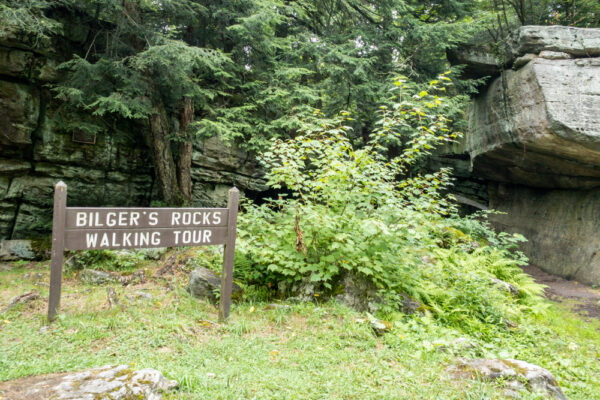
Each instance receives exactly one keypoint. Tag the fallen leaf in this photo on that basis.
(206, 323)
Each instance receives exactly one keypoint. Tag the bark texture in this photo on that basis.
(164, 164)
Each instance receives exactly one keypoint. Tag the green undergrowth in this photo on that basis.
(363, 212)
(286, 351)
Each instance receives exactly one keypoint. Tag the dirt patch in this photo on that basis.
(558, 289)
(14, 390)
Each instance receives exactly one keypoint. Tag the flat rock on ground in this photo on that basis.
(516, 375)
(104, 383)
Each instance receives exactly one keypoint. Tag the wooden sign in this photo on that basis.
(83, 137)
(78, 228)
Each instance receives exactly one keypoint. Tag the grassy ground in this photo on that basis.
(305, 351)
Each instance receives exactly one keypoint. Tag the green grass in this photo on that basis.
(304, 351)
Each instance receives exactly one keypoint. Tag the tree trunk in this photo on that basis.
(164, 164)
(184, 161)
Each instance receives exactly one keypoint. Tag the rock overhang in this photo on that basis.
(539, 126)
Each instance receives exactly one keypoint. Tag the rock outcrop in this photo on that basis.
(204, 284)
(534, 139)
(39, 147)
(539, 126)
(104, 383)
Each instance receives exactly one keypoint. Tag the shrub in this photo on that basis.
(358, 210)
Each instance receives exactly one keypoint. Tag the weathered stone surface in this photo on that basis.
(580, 42)
(104, 383)
(19, 111)
(555, 55)
(203, 284)
(481, 57)
(539, 126)
(523, 60)
(12, 167)
(31, 221)
(7, 218)
(534, 140)
(505, 286)
(37, 149)
(516, 375)
(94, 277)
(109, 153)
(561, 226)
(25, 64)
(217, 166)
(358, 293)
(15, 62)
(16, 250)
(379, 326)
(478, 57)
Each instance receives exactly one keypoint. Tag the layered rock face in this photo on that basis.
(36, 151)
(535, 138)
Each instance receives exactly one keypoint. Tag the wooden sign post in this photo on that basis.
(78, 228)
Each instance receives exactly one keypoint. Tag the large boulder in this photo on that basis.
(104, 383)
(534, 141)
(16, 250)
(204, 284)
(539, 126)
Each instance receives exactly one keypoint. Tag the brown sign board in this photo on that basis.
(83, 137)
(88, 239)
(129, 218)
(87, 228)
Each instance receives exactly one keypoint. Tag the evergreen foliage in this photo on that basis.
(583, 13)
(251, 70)
(243, 70)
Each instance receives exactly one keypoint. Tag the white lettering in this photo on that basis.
(177, 233)
(186, 237)
(199, 215)
(98, 220)
(104, 242)
(187, 218)
(153, 218)
(111, 219)
(144, 238)
(123, 218)
(126, 241)
(133, 218)
(91, 239)
(206, 221)
(175, 218)
(80, 219)
(114, 240)
(217, 217)
(155, 238)
(197, 236)
(207, 235)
